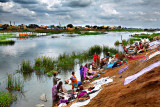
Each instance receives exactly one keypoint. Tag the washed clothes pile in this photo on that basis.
(94, 92)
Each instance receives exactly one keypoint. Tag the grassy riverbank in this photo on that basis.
(137, 37)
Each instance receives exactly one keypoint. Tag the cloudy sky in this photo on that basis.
(129, 13)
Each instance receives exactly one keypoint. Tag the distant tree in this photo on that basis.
(119, 27)
(70, 25)
(88, 26)
(52, 26)
(94, 26)
(33, 26)
(5, 26)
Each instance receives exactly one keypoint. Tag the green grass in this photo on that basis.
(26, 67)
(14, 83)
(95, 49)
(112, 51)
(7, 42)
(149, 36)
(6, 99)
(125, 43)
(116, 43)
(93, 33)
(43, 64)
(132, 40)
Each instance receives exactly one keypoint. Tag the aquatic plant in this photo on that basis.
(132, 40)
(111, 50)
(93, 33)
(116, 43)
(43, 64)
(14, 83)
(7, 42)
(95, 49)
(6, 98)
(124, 42)
(26, 67)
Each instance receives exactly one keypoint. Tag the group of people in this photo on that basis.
(142, 46)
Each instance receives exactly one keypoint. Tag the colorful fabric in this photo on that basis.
(123, 69)
(135, 57)
(135, 76)
(82, 73)
(81, 94)
(74, 79)
(54, 92)
(85, 71)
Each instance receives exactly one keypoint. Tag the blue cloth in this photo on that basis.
(110, 65)
(79, 83)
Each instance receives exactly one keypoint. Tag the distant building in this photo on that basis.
(22, 26)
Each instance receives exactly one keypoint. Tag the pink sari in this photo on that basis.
(85, 70)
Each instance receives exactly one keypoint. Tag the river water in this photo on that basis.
(29, 49)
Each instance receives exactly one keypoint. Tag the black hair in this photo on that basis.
(54, 74)
(72, 73)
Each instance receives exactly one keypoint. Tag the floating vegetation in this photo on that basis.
(149, 36)
(43, 65)
(124, 42)
(14, 83)
(132, 40)
(95, 49)
(7, 42)
(48, 66)
(6, 99)
(111, 50)
(116, 43)
(93, 33)
(26, 67)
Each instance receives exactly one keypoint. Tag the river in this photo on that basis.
(29, 49)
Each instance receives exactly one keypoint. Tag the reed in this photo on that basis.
(116, 43)
(111, 50)
(43, 64)
(125, 43)
(26, 67)
(95, 49)
(14, 83)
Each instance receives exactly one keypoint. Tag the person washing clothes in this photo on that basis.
(74, 80)
(82, 73)
(55, 90)
(55, 80)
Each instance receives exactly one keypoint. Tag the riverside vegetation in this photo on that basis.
(47, 65)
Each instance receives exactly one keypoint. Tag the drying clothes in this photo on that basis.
(81, 94)
(135, 57)
(63, 101)
(92, 92)
(71, 98)
(110, 65)
(135, 76)
(123, 69)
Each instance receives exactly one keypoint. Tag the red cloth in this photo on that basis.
(135, 57)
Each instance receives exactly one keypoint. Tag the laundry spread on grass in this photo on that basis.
(135, 76)
(97, 88)
(123, 69)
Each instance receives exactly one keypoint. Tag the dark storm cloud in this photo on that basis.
(3, 1)
(78, 3)
(143, 13)
(25, 1)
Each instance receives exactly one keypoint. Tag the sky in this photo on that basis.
(126, 13)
